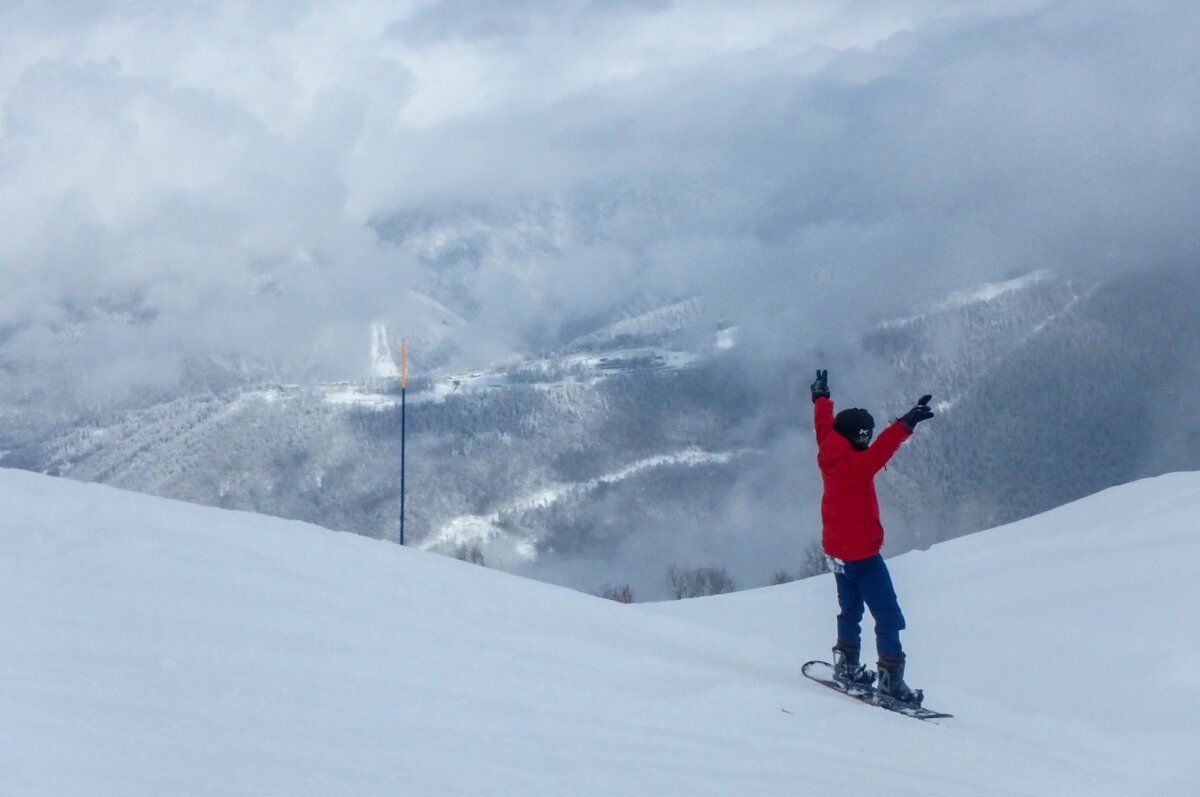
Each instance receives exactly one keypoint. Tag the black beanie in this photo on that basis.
(850, 423)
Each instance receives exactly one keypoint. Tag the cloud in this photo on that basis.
(267, 179)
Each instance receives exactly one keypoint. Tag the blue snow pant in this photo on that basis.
(868, 581)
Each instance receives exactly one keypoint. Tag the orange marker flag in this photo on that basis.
(404, 363)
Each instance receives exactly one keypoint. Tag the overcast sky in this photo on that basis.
(268, 178)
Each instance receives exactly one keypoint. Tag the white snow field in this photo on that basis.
(149, 647)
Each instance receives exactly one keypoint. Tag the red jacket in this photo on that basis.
(849, 510)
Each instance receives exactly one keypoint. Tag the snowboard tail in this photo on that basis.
(822, 673)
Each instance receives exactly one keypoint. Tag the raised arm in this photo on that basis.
(885, 446)
(822, 417)
(866, 464)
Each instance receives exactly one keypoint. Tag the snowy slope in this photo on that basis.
(151, 647)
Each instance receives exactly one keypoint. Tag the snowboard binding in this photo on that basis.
(847, 670)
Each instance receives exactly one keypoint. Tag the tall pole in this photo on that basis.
(403, 424)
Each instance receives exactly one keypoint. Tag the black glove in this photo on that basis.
(820, 388)
(919, 413)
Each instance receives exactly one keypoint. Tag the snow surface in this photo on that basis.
(149, 647)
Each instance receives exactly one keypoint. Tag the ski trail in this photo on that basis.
(480, 529)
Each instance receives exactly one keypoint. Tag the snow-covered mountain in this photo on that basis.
(154, 647)
(655, 440)
(512, 457)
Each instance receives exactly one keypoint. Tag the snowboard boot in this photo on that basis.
(846, 668)
(891, 682)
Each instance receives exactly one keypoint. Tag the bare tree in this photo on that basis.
(470, 552)
(815, 563)
(699, 581)
(621, 594)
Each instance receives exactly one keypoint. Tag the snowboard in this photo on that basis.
(822, 673)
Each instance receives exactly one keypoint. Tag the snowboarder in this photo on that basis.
(852, 535)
